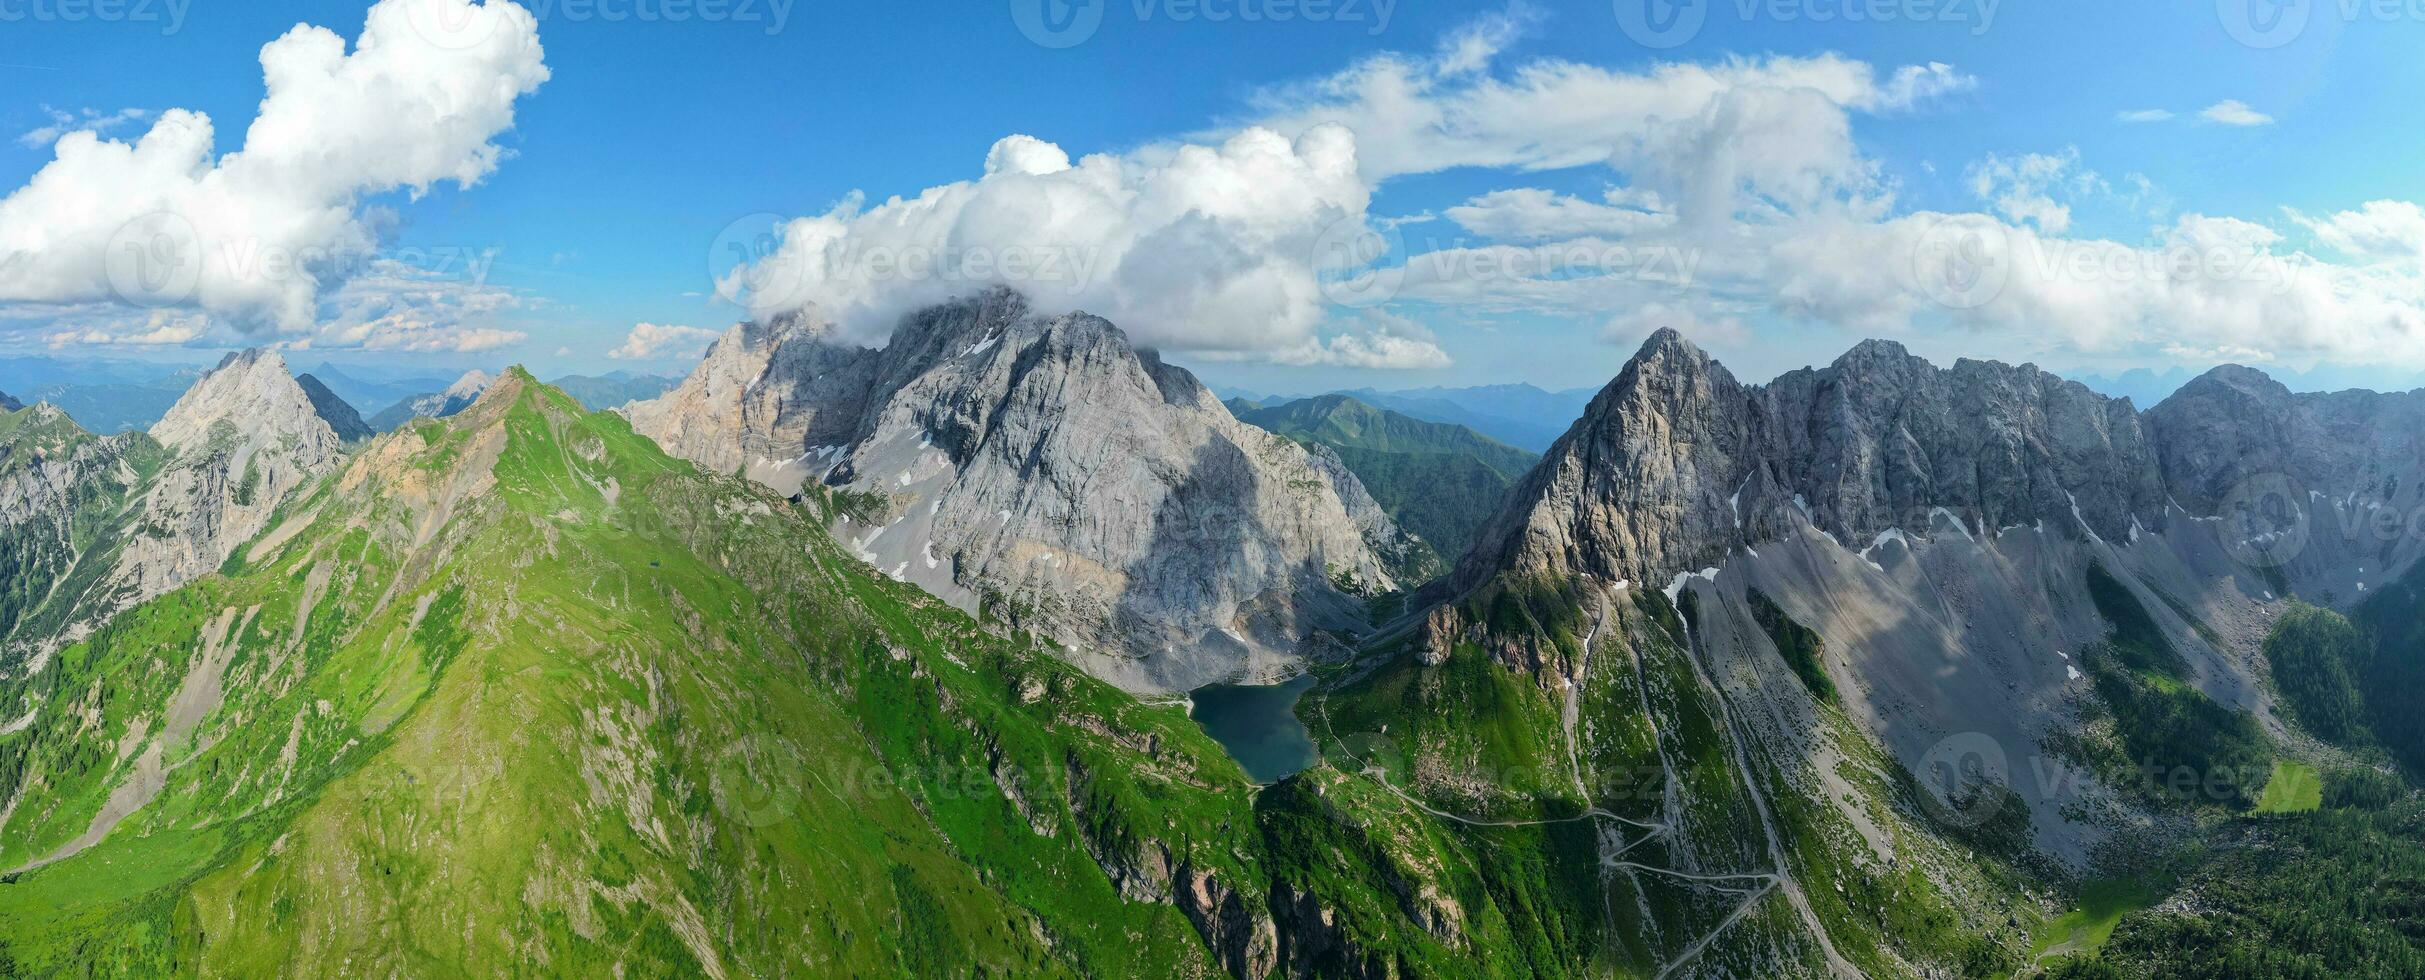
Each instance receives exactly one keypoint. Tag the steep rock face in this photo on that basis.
(63, 492)
(1676, 463)
(1943, 531)
(1043, 469)
(2325, 492)
(8, 404)
(241, 441)
(340, 416)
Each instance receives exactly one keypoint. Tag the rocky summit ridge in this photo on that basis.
(1042, 469)
(105, 523)
(1676, 463)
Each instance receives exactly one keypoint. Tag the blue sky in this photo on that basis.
(651, 144)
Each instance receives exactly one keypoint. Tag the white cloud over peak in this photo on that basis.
(1704, 328)
(1190, 247)
(2233, 112)
(392, 305)
(253, 236)
(654, 341)
(159, 328)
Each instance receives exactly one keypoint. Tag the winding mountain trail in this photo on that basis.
(1836, 963)
(1755, 886)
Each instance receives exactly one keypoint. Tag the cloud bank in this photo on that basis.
(255, 236)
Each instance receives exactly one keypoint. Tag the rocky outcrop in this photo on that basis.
(1676, 463)
(1043, 470)
(2325, 493)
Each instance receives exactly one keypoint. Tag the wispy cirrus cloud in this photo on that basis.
(63, 122)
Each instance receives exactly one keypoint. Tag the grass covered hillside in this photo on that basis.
(516, 693)
(1440, 481)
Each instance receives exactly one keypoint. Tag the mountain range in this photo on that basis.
(844, 660)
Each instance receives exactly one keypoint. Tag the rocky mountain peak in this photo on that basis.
(1676, 463)
(1044, 468)
(469, 386)
(251, 398)
(8, 404)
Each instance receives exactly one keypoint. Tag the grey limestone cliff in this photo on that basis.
(1042, 469)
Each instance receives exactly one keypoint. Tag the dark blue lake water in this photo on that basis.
(1258, 725)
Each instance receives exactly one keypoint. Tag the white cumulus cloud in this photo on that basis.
(1191, 247)
(1375, 341)
(253, 236)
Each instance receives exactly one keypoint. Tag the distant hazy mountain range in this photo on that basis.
(1440, 481)
(614, 389)
(1519, 415)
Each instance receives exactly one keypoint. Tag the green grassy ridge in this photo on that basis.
(1801, 646)
(2316, 656)
(882, 857)
(619, 713)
